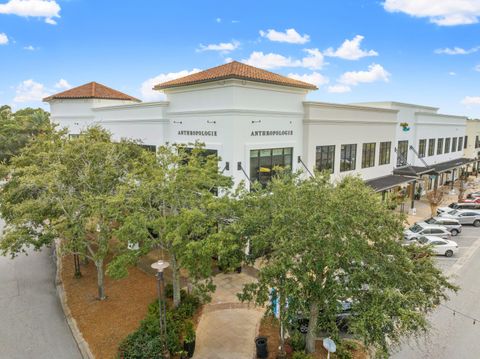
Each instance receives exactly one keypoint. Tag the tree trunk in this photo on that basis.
(100, 281)
(312, 328)
(175, 282)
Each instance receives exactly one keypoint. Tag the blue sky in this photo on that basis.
(420, 51)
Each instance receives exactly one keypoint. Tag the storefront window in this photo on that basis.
(422, 144)
(402, 153)
(262, 163)
(440, 146)
(368, 155)
(325, 158)
(385, 149)
(348, 157)
(431, 147)
(447, 145)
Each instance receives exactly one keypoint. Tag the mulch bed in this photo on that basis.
(269, 328)
(104, 324)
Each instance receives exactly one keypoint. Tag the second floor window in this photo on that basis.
(460, 143)
(368, 155)
(431, 147)
(440, 146)
(385, 148)
(325, 158)
(447, 145)
(465, 143)
(402, 153)
(477, 142)
(348, 157)
(422, 144)
(454, 144)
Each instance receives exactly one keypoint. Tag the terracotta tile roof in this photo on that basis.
(92, 90)
(235, 70)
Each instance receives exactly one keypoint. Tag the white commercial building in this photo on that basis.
(255, 120)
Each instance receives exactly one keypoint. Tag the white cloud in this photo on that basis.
(30, 91)
(457, 51)
(375, 73)
(218, 19)
(224, 47)
(29, 48)
(477, 68)
(452, 73)
(269, 61)
(350, 50)
(3, 38)
(290, 35)
(47, 9)
(63, 85)
(149, 94)
(314, 78)
(440, 12)
(471, 100)
(338, 88)
(314, 60)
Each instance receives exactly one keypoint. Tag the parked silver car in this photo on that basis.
(421, 229)
(453, 225)
(452, 206)
(464, 216)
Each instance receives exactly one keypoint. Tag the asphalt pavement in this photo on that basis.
(32, 324)
(454, 336)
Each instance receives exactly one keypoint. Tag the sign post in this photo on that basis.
(329, 344)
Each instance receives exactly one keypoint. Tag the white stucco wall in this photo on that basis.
(235, 117)
(235, 113)
(332, 124)
(425, 123)
(472, 131)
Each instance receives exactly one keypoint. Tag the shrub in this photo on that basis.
(297, 341)
(145, 341)
(169, 291)
(301, 355)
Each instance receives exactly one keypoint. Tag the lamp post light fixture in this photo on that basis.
(162, 310)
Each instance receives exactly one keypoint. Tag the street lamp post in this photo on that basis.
(162, 311)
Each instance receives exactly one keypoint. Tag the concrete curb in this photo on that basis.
(72, 323)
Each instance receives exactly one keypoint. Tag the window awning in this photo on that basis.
(387, 182)
(449, 165)
(415, 171)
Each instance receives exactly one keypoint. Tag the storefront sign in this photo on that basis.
(272, 133)
(197, 133)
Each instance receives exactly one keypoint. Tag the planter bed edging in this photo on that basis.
(72, 323)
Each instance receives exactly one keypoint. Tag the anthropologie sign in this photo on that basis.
(197, 133)
(273, 133)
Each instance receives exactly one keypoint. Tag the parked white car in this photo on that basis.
(421, 229)
(442, 247)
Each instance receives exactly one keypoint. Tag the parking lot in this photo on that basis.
(468, 241)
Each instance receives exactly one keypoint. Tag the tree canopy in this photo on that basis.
(69, 189)
(171, 204)
(325, 245)
(18, 128)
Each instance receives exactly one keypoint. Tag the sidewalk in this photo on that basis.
(423, 207)
(228, 327)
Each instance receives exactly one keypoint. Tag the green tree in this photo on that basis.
(17, 129)
(326, 245)
(171, 203)
(68, 189)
